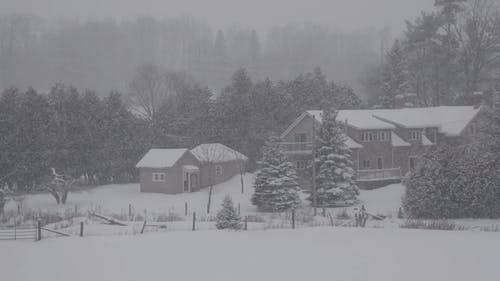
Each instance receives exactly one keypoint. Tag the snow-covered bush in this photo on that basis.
(276, 187)
(227, 217)
(454, 182)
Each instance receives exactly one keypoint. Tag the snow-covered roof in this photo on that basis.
(216, 153)
(450, 120)
(352, 143)
(360, 118)
(397, 141)
(426, 141)
(190, 168)
(161, 158)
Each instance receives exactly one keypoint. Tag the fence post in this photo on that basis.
(186, 209)
(293, 218)
(39, 230)
(324, 212)
(81, 229)
(129, 211)
(194, 221)
(15, 228)
(143, 226)
(246, 223)
(239, 209)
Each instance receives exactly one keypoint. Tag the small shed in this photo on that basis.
(174, 171)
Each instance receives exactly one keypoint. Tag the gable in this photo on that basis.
(161, 158)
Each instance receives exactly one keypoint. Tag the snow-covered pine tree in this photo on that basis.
(276, 187)
(335, 173)
(227, 218)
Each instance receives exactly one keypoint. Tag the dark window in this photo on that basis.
(414, 135)
(383, 136)
(301, 165)
(380, 163)
(301, 137)
(366, 164)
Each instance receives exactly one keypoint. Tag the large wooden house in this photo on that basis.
(385, 143)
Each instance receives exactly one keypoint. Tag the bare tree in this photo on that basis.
(59, 186)
(151, 87)
(478, 33)
(147, 90)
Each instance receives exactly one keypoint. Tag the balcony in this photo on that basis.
(296, 147)
(383, 174)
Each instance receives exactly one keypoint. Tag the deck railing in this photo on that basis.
(393, 173)
(291, 147)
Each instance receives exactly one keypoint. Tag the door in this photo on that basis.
(193, 181)
(380, 163)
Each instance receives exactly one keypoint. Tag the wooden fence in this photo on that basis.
(19, 233)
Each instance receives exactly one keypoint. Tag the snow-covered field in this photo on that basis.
(116, 199)
(352, 254)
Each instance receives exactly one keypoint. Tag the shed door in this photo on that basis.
(194, 181)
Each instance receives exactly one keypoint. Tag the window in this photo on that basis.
(380, 163)
(366, 164)
(218, 170)
(414, 135)
(383, 136)
(301, 165)
(366, 136)
(158, 177)
(412, 162)
(301, 137)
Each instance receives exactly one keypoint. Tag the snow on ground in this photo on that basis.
(116, 198)
(385, 200)
(353, 254)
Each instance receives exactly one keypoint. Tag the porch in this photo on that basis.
(379, 174)
(297, 147)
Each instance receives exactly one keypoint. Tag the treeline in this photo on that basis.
(102, 54)
(101, 139)
(443, 58)
(78, 134)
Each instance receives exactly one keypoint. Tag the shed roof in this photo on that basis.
(161, 158)
(216, 153)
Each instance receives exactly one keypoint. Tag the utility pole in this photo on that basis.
(315, 194)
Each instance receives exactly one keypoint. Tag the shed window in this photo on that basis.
(158, 177)
(218, 170)
(366, 164)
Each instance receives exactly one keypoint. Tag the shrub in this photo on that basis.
(433, 224)
(454, 182)
(227, 218)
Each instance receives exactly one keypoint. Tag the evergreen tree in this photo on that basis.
(276, 187)
(335, 174)
(394, 76)
(227, 218)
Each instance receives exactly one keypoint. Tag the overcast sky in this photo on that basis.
(347, 15)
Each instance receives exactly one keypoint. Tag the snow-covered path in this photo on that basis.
(351, 254)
